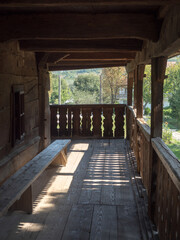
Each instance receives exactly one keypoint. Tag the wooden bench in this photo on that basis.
(16, 192)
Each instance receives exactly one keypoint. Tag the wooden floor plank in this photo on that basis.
(91, 189)
(128, 227)
(90, 198)
(79, 223)
(104, 223)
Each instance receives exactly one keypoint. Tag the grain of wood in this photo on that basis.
(14, 187)
(75, 204)
(104, 223)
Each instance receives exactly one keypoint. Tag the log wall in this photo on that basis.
(17, 67)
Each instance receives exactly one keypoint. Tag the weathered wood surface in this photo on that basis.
(16, 185)
(143, 149)
(140, 76)
(91, 198)
(85, 65)
(168, 159)
(88, 46)
(84, 26)
(139, 136)
(158, 75)
(130, 86)
(55, 3)
(166, 191)
(88, 57)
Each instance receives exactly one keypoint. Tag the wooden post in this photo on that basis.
(59, 91)
(129, 102)
(130, 86)
(138, 105)
(158, 68)
(139, 97)
(135, 88)
(100, 99)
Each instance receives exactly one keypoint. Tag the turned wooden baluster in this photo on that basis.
(97, 132)
(54, 131)
(63, 121)
(69, 121)
(119, 122)
(86, 121)
(76, 121)
(107, 112)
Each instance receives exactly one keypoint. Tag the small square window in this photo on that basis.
(18, 132)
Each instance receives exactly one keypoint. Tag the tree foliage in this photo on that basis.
(66, 94)
(86, 89)
(147, 86)
(112, 80)
(87, 82)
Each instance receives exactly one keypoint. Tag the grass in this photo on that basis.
(175, 147)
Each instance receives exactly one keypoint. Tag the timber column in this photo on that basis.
(135, 88)
(130, 87)
(158, 69)
(44, 87)
(139, 111)
(139, 96)
(129, 102)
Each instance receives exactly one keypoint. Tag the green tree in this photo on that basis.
(147, 86)
(172, 82)
(66, 94)
(112, 80)
(86, 88)
(175, 105)
(82, 97)
(87, 82)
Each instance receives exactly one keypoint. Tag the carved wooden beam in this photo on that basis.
(78, 26)
(69, 46)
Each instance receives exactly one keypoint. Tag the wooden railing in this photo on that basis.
(160, 172)
(97, 121)
(165, 191)
(143, 151)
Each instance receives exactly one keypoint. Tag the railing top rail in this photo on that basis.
(168, 159)
(132, 110)
(88, 105)
(145, 128)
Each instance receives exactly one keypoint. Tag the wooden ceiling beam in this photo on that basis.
(87, 66)
(55, 3)
(78, 26)
(60, 57)
(69, 46)
(82, 63)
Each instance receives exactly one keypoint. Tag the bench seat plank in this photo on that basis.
(18, 183)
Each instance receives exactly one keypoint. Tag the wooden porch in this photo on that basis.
(98, 195)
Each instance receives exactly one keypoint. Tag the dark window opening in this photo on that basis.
(18, 114)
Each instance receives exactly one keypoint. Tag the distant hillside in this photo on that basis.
(70, 75)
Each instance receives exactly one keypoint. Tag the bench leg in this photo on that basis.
(61, 159)
(24, 203)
